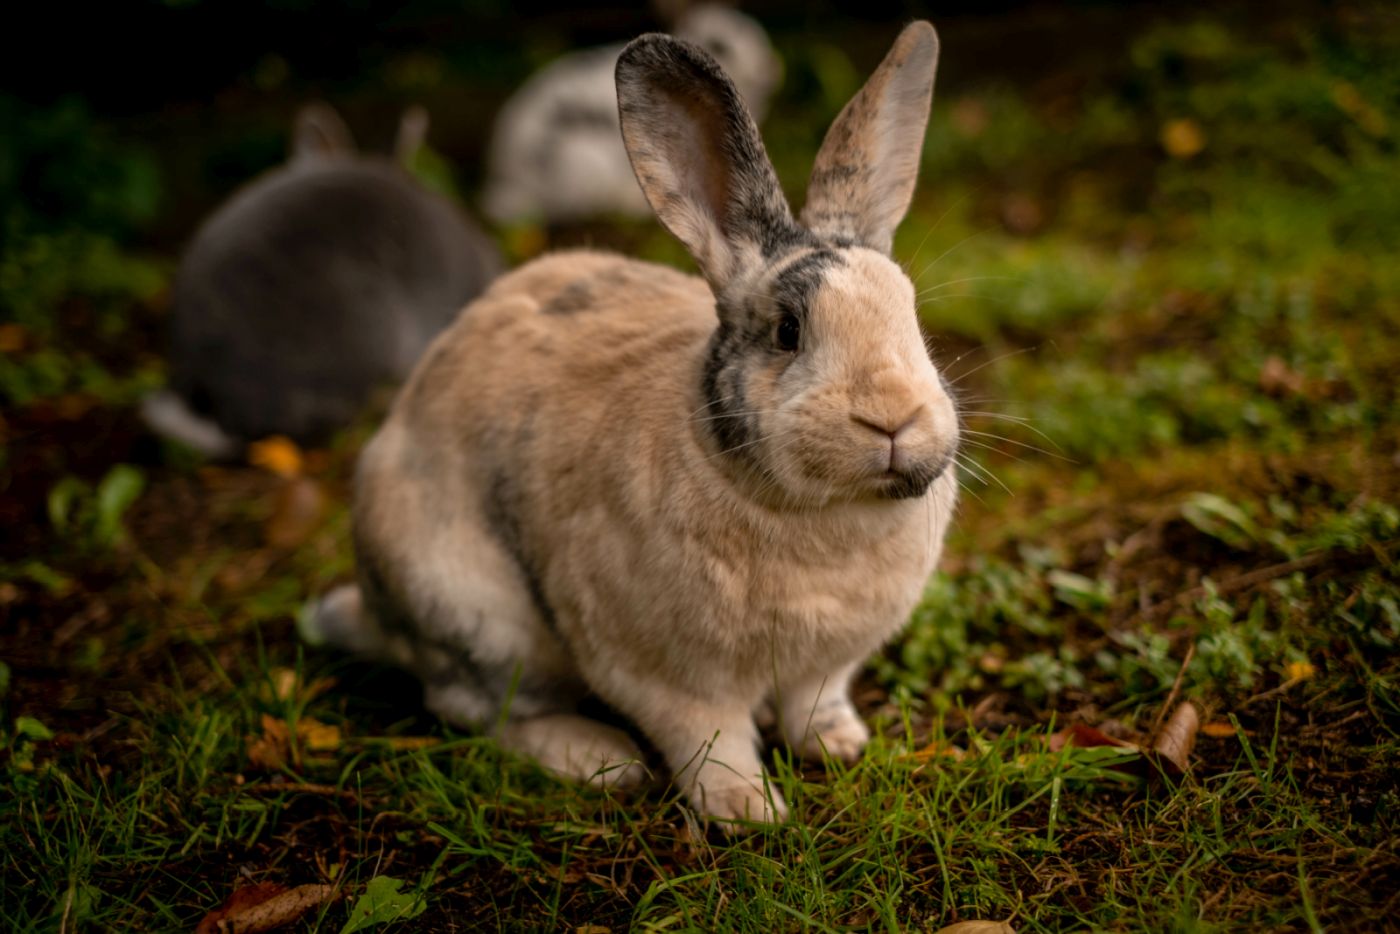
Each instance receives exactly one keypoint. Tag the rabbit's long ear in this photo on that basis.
(320, 133)
(699, 158)
(865, 172)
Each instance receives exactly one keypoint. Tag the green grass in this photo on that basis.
(1180, 483)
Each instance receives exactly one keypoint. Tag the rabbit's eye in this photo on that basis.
(789, 332)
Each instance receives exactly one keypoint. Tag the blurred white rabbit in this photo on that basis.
(556, 150)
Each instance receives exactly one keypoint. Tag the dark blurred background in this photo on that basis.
(143, 114)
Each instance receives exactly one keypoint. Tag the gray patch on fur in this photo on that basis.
(502, 509)
(745, 331)
(798, 281)
(576, 296)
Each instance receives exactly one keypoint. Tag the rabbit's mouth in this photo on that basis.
(913, 479)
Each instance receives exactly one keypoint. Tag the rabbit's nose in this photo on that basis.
(886, 425)
(892, 428)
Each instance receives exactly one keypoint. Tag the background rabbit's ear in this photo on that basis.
(699, 158)
(319, 133)
(413, 133)
(865, 172)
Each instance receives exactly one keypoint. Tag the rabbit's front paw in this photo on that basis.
(578, 748)
(840, 732)
(742, 802)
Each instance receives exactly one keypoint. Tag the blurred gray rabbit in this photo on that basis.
(313, 285)
(556, 149)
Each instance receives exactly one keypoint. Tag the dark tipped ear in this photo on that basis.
(319, 133)
(413, 133)
(864, 175)
(699, 158)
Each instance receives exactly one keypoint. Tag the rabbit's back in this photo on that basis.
(311, 286)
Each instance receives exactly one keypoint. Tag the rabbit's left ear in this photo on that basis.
(699, 158)
(864, 175)
(319, 133)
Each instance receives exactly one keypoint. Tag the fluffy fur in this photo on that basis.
(694, 498)
(309, 288)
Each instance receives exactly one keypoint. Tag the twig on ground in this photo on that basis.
(1171, 695)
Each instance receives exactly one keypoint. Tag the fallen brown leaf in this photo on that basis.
(273, 747)
(1219, 729)
(1170, 752)
(1081, 735)
(1174, 744)
(977, 927)
(263, 906)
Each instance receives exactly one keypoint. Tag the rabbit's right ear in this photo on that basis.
(865, 172)
(698, 157)
(319, 132)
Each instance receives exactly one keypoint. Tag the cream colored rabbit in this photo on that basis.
(691, 497)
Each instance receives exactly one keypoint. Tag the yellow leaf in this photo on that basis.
(1219, 729)
(1182, 138)
(937, 750)
(318, 736)
(1299, 671)
(277, 454)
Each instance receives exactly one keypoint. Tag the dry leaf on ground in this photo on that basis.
(1084, 736)
(264, 906)
(1300, 671)
(273, 747)
(1170, 752)
(937, 750)
(977, 927)
(1177, 739)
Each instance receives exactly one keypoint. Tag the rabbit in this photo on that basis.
(310, 287)
(692, 497)
(556, 154)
